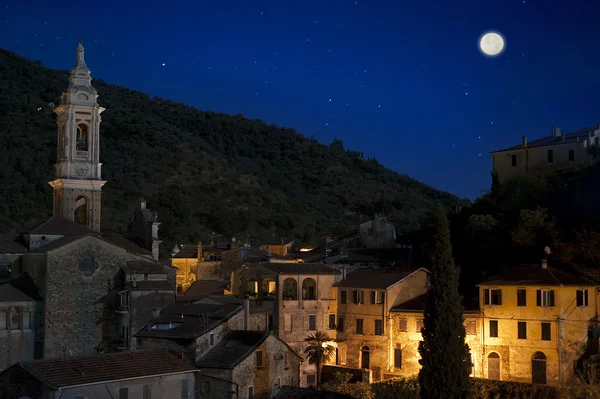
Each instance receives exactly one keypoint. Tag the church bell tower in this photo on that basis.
(78, 183)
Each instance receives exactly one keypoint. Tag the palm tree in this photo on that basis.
(319, 350)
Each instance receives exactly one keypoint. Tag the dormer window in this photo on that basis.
(165, 326)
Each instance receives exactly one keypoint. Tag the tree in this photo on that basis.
(445, 358)
(319, 350)
(341, 384)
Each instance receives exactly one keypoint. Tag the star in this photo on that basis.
(163, 64)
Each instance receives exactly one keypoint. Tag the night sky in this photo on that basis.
(403, 81)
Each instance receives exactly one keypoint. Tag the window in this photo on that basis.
(340, 325)
(550, 156)
(358, 296)
(123, 393)
(513, 160)
(290, 289)
(259, 359)
(521, 297)
(471, 327)
(398, 358)
(250, 392)
(359, 326)
(419, 325)
(582, 297)
(522, 330)
(14, 319)
(211, 339)
(332, 321)
(492, 297)
(184, 389)
(545, 298)
(311, 380)
(2, 320)
(206, 387)
(494, 328)
(278, 382)
(82, 138)
(373, 295)
(288, 322)
(309, 289)
(378, 327)
(402, 325)
(571, 155)
(147, 394)
(377, 297)
(546, 332)
(312, 322)
(343, 296)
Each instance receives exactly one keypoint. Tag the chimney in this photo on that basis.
(562, 136)
(199, 250)
(155, 313)
(246, 312)
(142, 203)
(134, 282)
(544, 264)
(555, 131)
(524, 141)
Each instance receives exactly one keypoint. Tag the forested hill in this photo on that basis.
(202, 171)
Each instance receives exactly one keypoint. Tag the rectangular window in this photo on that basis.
(546, 332)
(378, 327)
(250, 392)
(123, 393)
(545, 298)
(259, 359)
(358, 296)
(359, 326)
(147, 392)
(492, 297)
(332, 321)
(343, 296)
(513, 160)
(340, 325)
(312, 322)
(522, 330)
(582, 298)
(398, 358)
(26, 320)
(184, 389)
(521, 297)
(288, 322)
(402, 325)
(550, 156)
(571, 155)
(2, 320)
(373, 295)
(418, 325)
(471, 327)
(494, 328)
(211, 339)
(311, 380)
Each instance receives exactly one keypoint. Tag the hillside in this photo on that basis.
(202, 171)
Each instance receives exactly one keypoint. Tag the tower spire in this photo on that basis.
(80, 79)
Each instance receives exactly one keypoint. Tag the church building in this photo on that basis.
(92, 292)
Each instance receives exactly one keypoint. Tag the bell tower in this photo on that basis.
(78, 183)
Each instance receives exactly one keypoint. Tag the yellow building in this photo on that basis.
(186, 258)
(281, 247)
(558, 150)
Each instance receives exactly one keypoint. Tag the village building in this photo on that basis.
(134, 374)
(249, 364)
(559, 150)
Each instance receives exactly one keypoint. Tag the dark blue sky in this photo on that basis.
(403, 81)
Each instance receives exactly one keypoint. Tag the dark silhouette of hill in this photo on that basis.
(202, 171)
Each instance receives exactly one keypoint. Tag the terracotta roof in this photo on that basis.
(234, 347)
(12, 243)
(570, 138)
(207, 287)
(145, 267)
(86, 370)
(197, 320)
(536, 275)
(288, 392)
(59, 225)
(380, 278)
(302, 268)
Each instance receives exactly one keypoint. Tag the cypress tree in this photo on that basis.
(445, 357)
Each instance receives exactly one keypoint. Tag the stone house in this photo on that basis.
(255, 363)
(144, 227)
(558, 150)
(281, 247)
(133, 374)
(363, 324)
(18, 298)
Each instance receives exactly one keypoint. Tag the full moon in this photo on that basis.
(491, 44)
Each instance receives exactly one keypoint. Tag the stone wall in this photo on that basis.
(210, 387)
(16, 345)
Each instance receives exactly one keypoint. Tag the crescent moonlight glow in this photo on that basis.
(491, 44)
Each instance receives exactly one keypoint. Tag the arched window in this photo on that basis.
(252, 286)
(494, 366)
(290, 289)
(309, 289)
(80, 215)
(206, 387)
(15, 319)
(365, 353)
(82, 138)
(538, 368)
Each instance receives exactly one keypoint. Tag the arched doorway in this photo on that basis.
(309, 289)
(290, 289)
(538, 368)
(80, 215)
(494, 366)
(365, 361)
